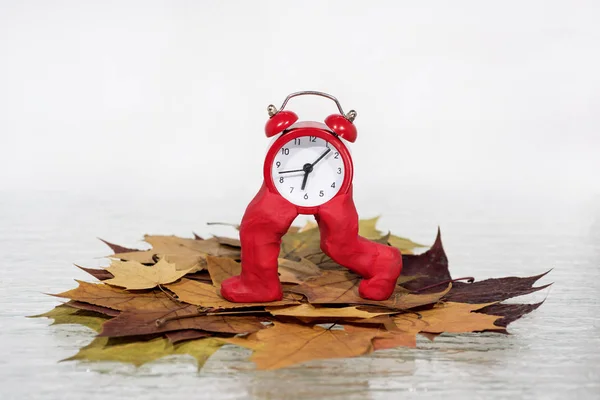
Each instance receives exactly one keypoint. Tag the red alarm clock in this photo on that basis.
(308, 170)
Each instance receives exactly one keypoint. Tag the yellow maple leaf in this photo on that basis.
(134, 275)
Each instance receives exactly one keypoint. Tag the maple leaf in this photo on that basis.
(184, 253)
(184, 335)
(431, 266)
(221, 268)
(508, 312)
(119, 299)
(443, 317)
(133, 351)
(109, 312)
(297, 271)
(341, 287)
(136, 323)
(64, 314)
(101, 274)
(207, 296)
(495, 289)
(118, 249)
(286, 344)
(134, 275)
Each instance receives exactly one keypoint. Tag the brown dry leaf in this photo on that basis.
(119, 299)
(133, 275)
(286, 344)
(207, 296)
(185, 253)
(221, 268)
(341, 287)
(297, 271)
(137, 323)
(100, 274)
(184, 335)
(92, 307)
(309, 311)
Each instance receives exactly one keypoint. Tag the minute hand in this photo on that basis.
(320, 158)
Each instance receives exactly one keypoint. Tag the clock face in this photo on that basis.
(308, 171)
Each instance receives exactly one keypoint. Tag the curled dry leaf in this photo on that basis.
(134, 275)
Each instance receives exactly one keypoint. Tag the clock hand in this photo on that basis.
(294, 170)
(305, 179)
(308, 168)
(320, 158)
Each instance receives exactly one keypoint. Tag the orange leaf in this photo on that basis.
(286, 344)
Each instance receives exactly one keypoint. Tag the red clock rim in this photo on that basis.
(308, 131)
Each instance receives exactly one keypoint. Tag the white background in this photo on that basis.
(172, 95)
(120, 118)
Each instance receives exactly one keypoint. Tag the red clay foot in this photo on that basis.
(238, 290)
(383, 282)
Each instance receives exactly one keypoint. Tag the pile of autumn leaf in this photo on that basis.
(165, 301)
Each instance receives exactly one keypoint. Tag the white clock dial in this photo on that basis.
(308, 171)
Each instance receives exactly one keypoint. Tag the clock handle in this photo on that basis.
(350, 116)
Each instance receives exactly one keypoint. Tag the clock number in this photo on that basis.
(326, 144)
(321, 194)
(291, 189)
(278, 163)
(281, 180)
(297, 141)
(337, 155)
(333, 185)
(306, 196)
(285, 151)
(313, 139)
(339, 171)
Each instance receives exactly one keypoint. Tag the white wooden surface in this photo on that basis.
(552, 353)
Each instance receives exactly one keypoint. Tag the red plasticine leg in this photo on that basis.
(378, 264)
(265, 221)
